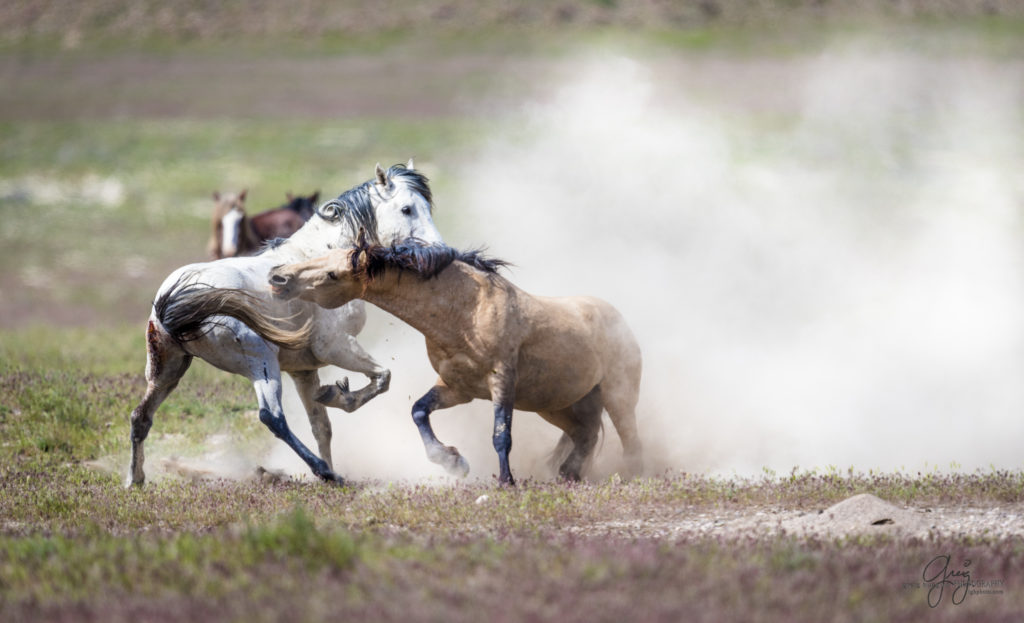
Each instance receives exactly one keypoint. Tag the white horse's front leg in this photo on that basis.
(268, 395)
(345, 352)
(234, 347)
(307, 383)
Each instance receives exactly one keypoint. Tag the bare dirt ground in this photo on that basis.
(862, 515)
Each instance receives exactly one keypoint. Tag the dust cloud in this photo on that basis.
(822, 269)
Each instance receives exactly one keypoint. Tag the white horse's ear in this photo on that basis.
(382, 177)
(410, 164)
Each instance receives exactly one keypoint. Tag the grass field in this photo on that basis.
(113, 134)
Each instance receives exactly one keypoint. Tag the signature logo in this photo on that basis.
(938, 575)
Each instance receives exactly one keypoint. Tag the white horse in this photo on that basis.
(396, 204)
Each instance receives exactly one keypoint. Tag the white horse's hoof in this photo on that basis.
(338, 396)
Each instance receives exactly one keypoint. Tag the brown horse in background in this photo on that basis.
(235, 233)
(566, 358)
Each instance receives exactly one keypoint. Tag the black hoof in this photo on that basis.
(332, 478)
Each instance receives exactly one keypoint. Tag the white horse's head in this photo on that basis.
(396, 204)
(404, 205)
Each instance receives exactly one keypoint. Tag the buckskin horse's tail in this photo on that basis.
(185, 310)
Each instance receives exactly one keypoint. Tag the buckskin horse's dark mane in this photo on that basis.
(371, 260)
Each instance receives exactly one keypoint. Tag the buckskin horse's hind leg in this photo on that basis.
(586, 417)
(166, 363)
(620, 398)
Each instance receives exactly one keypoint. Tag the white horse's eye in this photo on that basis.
(333, 276)
(407, 210)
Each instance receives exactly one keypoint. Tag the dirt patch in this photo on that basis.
(859, 515)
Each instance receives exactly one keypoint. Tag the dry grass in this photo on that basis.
(77, 546)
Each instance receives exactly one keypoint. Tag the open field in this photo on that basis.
(866, 346)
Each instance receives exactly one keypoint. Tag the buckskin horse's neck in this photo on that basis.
(440, 308)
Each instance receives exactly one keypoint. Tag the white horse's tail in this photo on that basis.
(185, 310)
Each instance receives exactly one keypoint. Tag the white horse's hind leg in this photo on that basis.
(345, 352)
(166, 363)
(307, 383)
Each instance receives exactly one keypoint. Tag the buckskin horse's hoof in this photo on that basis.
(455, 464)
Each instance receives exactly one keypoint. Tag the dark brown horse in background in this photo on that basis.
(235, 233)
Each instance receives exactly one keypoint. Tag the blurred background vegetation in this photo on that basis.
(118, 119)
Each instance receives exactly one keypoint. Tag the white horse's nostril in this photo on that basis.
(278, 280)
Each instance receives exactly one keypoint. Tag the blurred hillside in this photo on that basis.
(119, 118)
(73, 22)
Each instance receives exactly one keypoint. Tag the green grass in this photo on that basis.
(66, 394)
(73, 541)
(169, 168)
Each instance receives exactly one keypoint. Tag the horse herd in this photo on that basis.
(297, 306)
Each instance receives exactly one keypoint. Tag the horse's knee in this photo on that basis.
(424, 404)
(502, 440)
(422, 408)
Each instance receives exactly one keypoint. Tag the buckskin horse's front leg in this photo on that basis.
(503, 383)
(440, 396)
